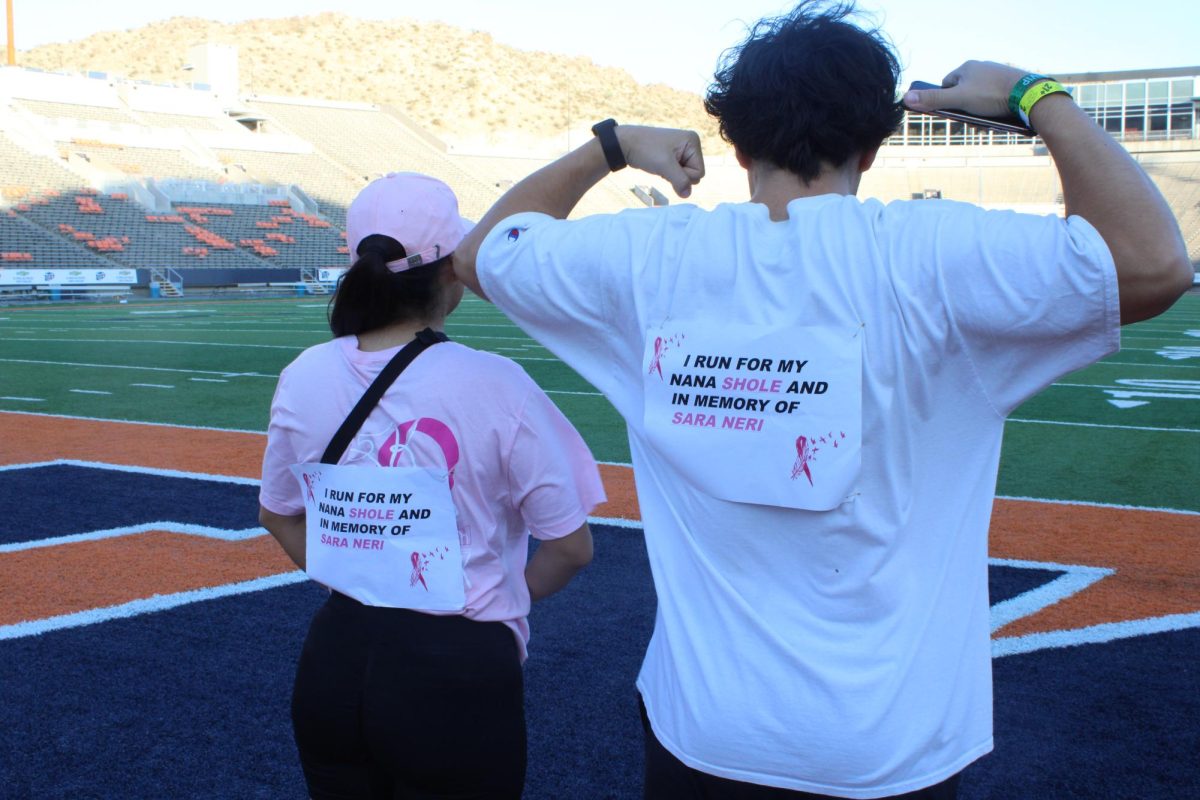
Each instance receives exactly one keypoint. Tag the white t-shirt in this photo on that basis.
(517, 464)
(837, 644)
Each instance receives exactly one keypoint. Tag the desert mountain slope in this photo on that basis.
(462, 85)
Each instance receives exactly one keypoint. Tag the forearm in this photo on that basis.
(554, 190)
(556, 561)
(288, 531)
(1103, 184)
(671, 154)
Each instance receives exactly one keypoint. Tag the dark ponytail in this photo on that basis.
(371, 296)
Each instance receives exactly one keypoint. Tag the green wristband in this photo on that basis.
(1018, 91)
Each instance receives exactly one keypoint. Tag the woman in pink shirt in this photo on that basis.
(410, 678)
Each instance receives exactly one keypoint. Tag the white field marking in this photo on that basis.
(133, 366)
(1148, 365)
(1163, 335)
(1176, 353)
(1075, 579)
(616, 522)
(1139, 383)
(457, 323)
(25, 399)
(191, 325)
(1097, 425)
(160, 602)
(564, 391)
(172, 311)
(224, 534)
(155, 471)
(158, 341)
(1090, 504)
(153, 385)
(1095, 634)
(490, 338)
(134, 422)
(87, 391)
(534, 358)
(1148, 349)
(208, 380)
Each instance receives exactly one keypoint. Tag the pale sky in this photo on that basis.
(677, 42)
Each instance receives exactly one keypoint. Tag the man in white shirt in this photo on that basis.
(815, 389)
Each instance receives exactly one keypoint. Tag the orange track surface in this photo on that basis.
(1156, 555)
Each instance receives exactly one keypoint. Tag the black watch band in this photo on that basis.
(606, 132)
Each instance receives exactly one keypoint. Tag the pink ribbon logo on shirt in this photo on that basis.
(393, 449)
(656, 360)
(309, 482)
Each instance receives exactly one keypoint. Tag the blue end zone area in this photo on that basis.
(65, 496)
(1005, 583)
(1098, 721)
(193, 702)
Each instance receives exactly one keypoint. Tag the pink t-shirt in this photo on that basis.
(518, 466)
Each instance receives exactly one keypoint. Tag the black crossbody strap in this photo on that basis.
(387, 376)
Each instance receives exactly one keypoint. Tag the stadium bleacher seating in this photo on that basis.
(39, 248)
(84, 166)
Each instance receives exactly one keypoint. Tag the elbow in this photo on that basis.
(1160, 282)
(580, 553)
(581, 556)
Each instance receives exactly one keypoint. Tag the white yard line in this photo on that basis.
(131, 366)
(1097, 425)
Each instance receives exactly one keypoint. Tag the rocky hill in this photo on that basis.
(464, 86)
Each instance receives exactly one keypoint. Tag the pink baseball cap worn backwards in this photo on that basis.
(418, 211)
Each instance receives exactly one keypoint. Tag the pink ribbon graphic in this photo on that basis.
(803, 454)
(418, 570)
(655, 365)
(395, 445)
(309, 486)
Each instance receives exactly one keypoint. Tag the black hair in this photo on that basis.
(371, 296)
(807, 89)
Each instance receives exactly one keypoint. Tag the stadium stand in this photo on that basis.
(103, 173)
(274, 233)
(23, 173)
(368, 141)
(144, 240)
(76, 111)
(141, 161)
(612, 194)
(329, 184)
(40, 249)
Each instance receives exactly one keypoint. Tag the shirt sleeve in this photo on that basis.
(1031, 297)
(279, 492)
(553, 479)
(570, 285)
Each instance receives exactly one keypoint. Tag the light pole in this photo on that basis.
(12, 49)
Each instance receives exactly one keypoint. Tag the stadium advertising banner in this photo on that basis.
(330, 274)
(66, 277)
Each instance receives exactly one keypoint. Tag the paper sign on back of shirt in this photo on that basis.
(768, 418)
(386, 537)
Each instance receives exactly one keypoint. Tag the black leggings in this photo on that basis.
(390, 703)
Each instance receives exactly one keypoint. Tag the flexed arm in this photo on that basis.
(1101, 183)
(556, 188)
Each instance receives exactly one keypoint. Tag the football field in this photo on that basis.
(149, 628)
